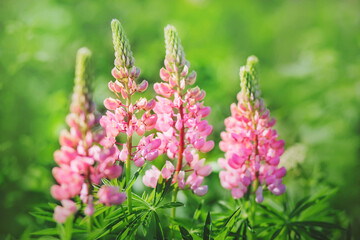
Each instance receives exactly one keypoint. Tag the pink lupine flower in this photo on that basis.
(180, 112)
(81, 162)
(151, 177)
(251, 146)
(125, 116)
(61, 213)
(110, 195)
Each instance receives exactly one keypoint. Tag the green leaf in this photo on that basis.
(146, 222)
(185, 233)
(47, 238)
(271, 211)
(276, 233)
(68, 227)
(135, 176)
(226, 228)
(325, 225)
(207, 227)
(157, 191)
(159, 231)
(172, 205)
(44, 217)
(198, 211)
(139, 199)
(303, 205)
(315, 234)
(47, 231)
(106, 181)
(244, 223)
(65, 231)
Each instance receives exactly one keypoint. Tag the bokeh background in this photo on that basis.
(310, 67)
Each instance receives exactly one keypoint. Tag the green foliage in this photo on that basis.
(309, 63)
(309, 218)
(280, 219)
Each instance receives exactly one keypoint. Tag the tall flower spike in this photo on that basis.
(81, 162)
(127, 116)
(180, 113)
(251, 146)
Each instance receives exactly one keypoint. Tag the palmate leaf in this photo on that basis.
(230, 223)
(276, 233)
(47, 238)
(324, 225)
(139, 199)
(159, 231)
(146, 223)
(241, 231)
(113, 224)
(302, 207)
(65, 230)
(185, 234)
(44, 217)
(271, 211)
(45, 213)
(244, 223)
(172, 205)
(131, 227)
(184, 222)
(135, 176)
(207, 227)
(309, 204)
(197, 212)
(47, 231)
(168, 187)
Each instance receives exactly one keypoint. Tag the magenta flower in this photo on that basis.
(251, 146)
(180, 120)
(125, 116)
(110, 195)
(81, 162)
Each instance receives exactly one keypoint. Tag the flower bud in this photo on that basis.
(142, 86)
(191, 78)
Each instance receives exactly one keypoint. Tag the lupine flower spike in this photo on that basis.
(181, 113)
(81, 162)
(251, 146)
(121, 115)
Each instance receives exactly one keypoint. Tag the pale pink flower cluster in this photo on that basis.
(61, 213)
(121, 118)
(251, 146)
(81, 162)
(124, 116)
(110, 195)
(180, 120)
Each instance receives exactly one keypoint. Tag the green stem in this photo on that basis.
(173, 210)
(173, 199)
(128, 175)
(90, 224)
(253, 209)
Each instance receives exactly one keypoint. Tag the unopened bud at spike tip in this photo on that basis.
(122, 48)
(82, 69)
(249, 81)
(174, 50)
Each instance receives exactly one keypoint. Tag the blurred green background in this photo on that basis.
(310, 66)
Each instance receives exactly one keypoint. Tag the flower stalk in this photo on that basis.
(251, 145)
(181, 125)
(121, 118)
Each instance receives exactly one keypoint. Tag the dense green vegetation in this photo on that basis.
(309, 58)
